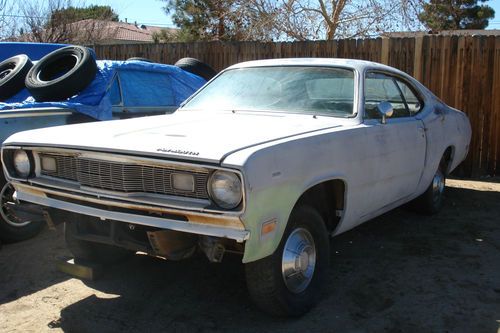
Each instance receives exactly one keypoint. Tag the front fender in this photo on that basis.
(273, 201)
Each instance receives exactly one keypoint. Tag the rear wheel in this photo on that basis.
(431, 201)
(90, 251)
(290, 281)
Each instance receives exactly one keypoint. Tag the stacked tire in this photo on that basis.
(57, 76)
(196, 67)
(13, 72)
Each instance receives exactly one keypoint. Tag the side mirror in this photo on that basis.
(386, 110)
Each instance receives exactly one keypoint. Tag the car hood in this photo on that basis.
(207, 136)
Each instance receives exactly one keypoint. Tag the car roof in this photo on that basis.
(336, 62)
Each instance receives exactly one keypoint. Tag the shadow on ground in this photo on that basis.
(27, 267)
(398, 273)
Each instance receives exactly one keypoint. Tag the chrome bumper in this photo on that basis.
(37, 196)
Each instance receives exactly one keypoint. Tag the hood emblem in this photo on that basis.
(178, 151)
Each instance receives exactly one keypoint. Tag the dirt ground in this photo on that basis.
(398, 273)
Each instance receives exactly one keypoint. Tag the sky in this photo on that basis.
(495, 23)
(150, 12)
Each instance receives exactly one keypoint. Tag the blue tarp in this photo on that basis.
(142, 83)
(33, 50)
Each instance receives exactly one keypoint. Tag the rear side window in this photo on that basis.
(385, 88)
(146, 89)
(414, 104)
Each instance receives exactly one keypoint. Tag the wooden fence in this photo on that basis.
(464, 71)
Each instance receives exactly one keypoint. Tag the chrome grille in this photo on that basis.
(124, 177)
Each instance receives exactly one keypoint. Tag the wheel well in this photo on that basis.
(446, 160)
(328, 198)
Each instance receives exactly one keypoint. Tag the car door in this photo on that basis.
(396, 149)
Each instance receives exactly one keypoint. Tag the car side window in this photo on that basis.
(412, 101)
(383, 88)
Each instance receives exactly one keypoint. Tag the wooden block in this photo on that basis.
(81, 270)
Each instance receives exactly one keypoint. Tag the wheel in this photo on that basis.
(61, 74)
(289, 282)
(13, 71)
(431, 201)
(196, 67)
(139, 59)
(18, 221)
(90, 251)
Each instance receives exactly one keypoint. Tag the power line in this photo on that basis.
(24, 16)
(45, 17)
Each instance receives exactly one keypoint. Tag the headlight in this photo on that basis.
(225, 189)
(22, 163)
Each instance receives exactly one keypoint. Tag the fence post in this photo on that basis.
(417, 58)
(384, 53)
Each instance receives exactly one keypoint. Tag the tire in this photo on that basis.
(90, 251)
(15, 227)
(196, 67)
(139, 59)
(61, 74)
(265, 277)
(13, 72)
(431, 201)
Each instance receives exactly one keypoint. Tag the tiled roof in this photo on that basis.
(109, 30)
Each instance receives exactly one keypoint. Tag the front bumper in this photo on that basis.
(201, 224)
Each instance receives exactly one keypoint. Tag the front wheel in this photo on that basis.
(289, 282)
(18, 221)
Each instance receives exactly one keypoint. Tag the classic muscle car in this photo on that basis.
(269, 159)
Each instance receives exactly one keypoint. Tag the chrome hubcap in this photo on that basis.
(299, 260)
(438, 184)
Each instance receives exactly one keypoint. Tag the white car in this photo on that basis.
(268, 160)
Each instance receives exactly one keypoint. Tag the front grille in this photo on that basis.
(124, 177)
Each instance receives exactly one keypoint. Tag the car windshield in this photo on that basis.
(311, 90)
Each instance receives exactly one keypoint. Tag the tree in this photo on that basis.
(74, 14)
(7, 20)
(206, 19)
(166, 35)
(457, 14)
(290, 19)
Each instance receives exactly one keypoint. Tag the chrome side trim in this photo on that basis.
(164, 223)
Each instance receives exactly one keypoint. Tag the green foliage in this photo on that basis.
(456, 14)
(202, 20)
(165, 36)
(74, 14)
